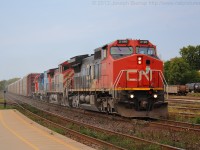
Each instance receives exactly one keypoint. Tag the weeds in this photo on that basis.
(197, 120)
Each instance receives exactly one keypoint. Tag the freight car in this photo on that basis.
(123, 77)
(194, 87)
(24, 86)
(197, 87)
(177, 89)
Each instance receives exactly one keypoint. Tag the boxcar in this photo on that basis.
(177, 89)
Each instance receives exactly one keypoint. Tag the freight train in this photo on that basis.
(183, 89)
(124, 77)
(177, 89)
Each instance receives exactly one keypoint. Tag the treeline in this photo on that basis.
(184, 69)
(5, 83)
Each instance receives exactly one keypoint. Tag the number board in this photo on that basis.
(122, 41)
(144, 42)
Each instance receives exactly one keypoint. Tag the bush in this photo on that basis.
(198, 120)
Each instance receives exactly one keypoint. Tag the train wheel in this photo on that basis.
(109, 109)
(102, 107)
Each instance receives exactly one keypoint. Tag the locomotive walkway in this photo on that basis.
(17, 132)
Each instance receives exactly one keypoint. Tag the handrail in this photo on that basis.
(165, 84)
(161, 75)
(118, 78)
(117, 81)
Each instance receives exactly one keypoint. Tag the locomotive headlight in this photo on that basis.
(132, 96)
(139, 60)
(155, 95)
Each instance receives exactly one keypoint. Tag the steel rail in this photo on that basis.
(185, 124)
(185, 108)
(174, 127)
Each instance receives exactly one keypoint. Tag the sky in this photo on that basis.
(36, 35)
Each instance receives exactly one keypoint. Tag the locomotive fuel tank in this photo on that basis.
(85, 98)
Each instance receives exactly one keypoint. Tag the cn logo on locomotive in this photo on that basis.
(137, 75)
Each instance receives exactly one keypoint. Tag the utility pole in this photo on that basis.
(4, 97)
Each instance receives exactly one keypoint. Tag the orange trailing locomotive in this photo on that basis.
(123, 77)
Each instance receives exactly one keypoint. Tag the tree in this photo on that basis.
(184, 69)
(179, 71)
(11, 80)
(4, 83)
(166, 70)
(192, 56)
(194, 76)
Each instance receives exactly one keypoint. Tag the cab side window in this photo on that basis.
(104, 53)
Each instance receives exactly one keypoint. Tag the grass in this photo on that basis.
(183, 139)
(117, 140)
(192, 105)
(2, 105)
(197, 120)
(7, 107)
(194, 94)
(1, 100)
(177, 110)
(181, 118)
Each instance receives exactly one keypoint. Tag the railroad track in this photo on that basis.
(183, 101)
(183, 124)
(183, 114)
(184, 98)
(176, 125)
(117, 134)
(185, 108)
(191, 105)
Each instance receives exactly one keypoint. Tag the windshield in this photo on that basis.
(118, 52)
(145, 50)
